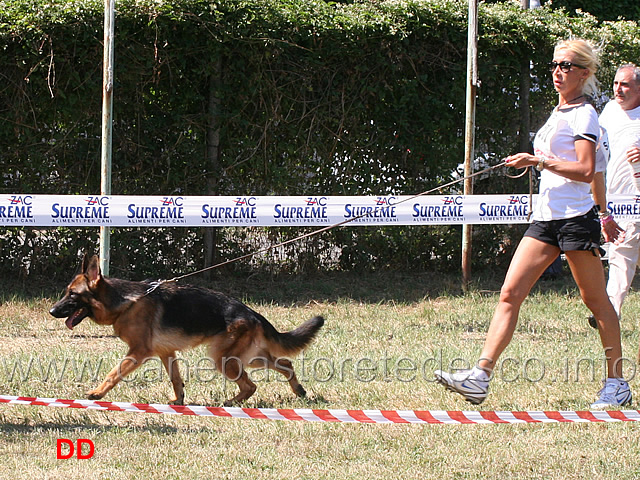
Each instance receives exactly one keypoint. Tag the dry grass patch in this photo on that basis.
(378, 349)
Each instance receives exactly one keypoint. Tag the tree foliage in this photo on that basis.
(305, 97)
(618, 10)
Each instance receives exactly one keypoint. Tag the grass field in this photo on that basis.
(384, 335)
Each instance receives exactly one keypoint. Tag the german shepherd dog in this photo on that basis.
(170, 318)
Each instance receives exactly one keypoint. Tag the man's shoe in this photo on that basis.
(615, 393)
(592, 322)
(473, 385)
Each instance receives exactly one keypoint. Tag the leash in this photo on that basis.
(530, 170)
(156, 284)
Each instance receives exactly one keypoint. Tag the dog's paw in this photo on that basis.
(94, 395)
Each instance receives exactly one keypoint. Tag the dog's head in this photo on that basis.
(76, 304)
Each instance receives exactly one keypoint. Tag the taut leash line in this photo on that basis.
(156, 284)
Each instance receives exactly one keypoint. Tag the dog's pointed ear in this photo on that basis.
(85, 263)
(92, 270)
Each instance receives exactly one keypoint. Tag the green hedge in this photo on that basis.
(269, 97)
(618, 10)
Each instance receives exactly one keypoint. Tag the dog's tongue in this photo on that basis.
(75, 318)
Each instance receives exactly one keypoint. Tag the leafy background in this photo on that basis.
(260, 97)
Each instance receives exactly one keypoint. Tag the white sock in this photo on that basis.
(616, 381)
(480, 374)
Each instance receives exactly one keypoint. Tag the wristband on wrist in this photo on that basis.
(606, 219)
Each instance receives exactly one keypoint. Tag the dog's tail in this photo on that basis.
(291, 343)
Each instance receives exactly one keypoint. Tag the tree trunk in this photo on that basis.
(213, 161)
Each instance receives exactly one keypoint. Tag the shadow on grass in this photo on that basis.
(287, 290)
(373, 288)
(312, 402)
(14, 427)
(73, 428)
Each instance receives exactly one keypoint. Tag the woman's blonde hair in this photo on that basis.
(586, 56)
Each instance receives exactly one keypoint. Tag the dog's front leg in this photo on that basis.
(132, 361)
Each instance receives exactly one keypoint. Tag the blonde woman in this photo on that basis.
(564, 220)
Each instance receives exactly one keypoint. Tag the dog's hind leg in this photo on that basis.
(132, 361)
(171, 366)
(232, 369)
(285, 367)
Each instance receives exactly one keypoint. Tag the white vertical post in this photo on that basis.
(469, 134)
(107, 120)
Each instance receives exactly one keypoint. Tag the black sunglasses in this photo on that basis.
(564, 66)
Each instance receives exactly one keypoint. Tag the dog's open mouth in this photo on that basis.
(76, 317)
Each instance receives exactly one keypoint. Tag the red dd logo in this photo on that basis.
(64, 445)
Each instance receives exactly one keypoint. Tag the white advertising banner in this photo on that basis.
(313, 210)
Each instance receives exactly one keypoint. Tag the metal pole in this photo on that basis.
(469, 142)
(107, 120)
(525, 87)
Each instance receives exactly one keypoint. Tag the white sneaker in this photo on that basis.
(473, 385)
(615, 393)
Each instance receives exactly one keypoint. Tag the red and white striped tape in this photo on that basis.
(338, 415)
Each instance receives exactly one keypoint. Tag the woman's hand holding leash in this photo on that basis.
(522, 160)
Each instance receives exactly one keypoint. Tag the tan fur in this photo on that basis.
(136, 319)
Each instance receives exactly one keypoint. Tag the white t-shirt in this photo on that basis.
(559, 197)
(602, 151)
(623, 128)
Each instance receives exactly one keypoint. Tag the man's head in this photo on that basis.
(626, 86)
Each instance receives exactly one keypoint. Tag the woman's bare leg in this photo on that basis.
(589, 276)
(531, 259)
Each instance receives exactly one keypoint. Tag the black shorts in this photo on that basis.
(577, 233)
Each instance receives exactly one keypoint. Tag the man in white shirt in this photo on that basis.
(621, 119)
